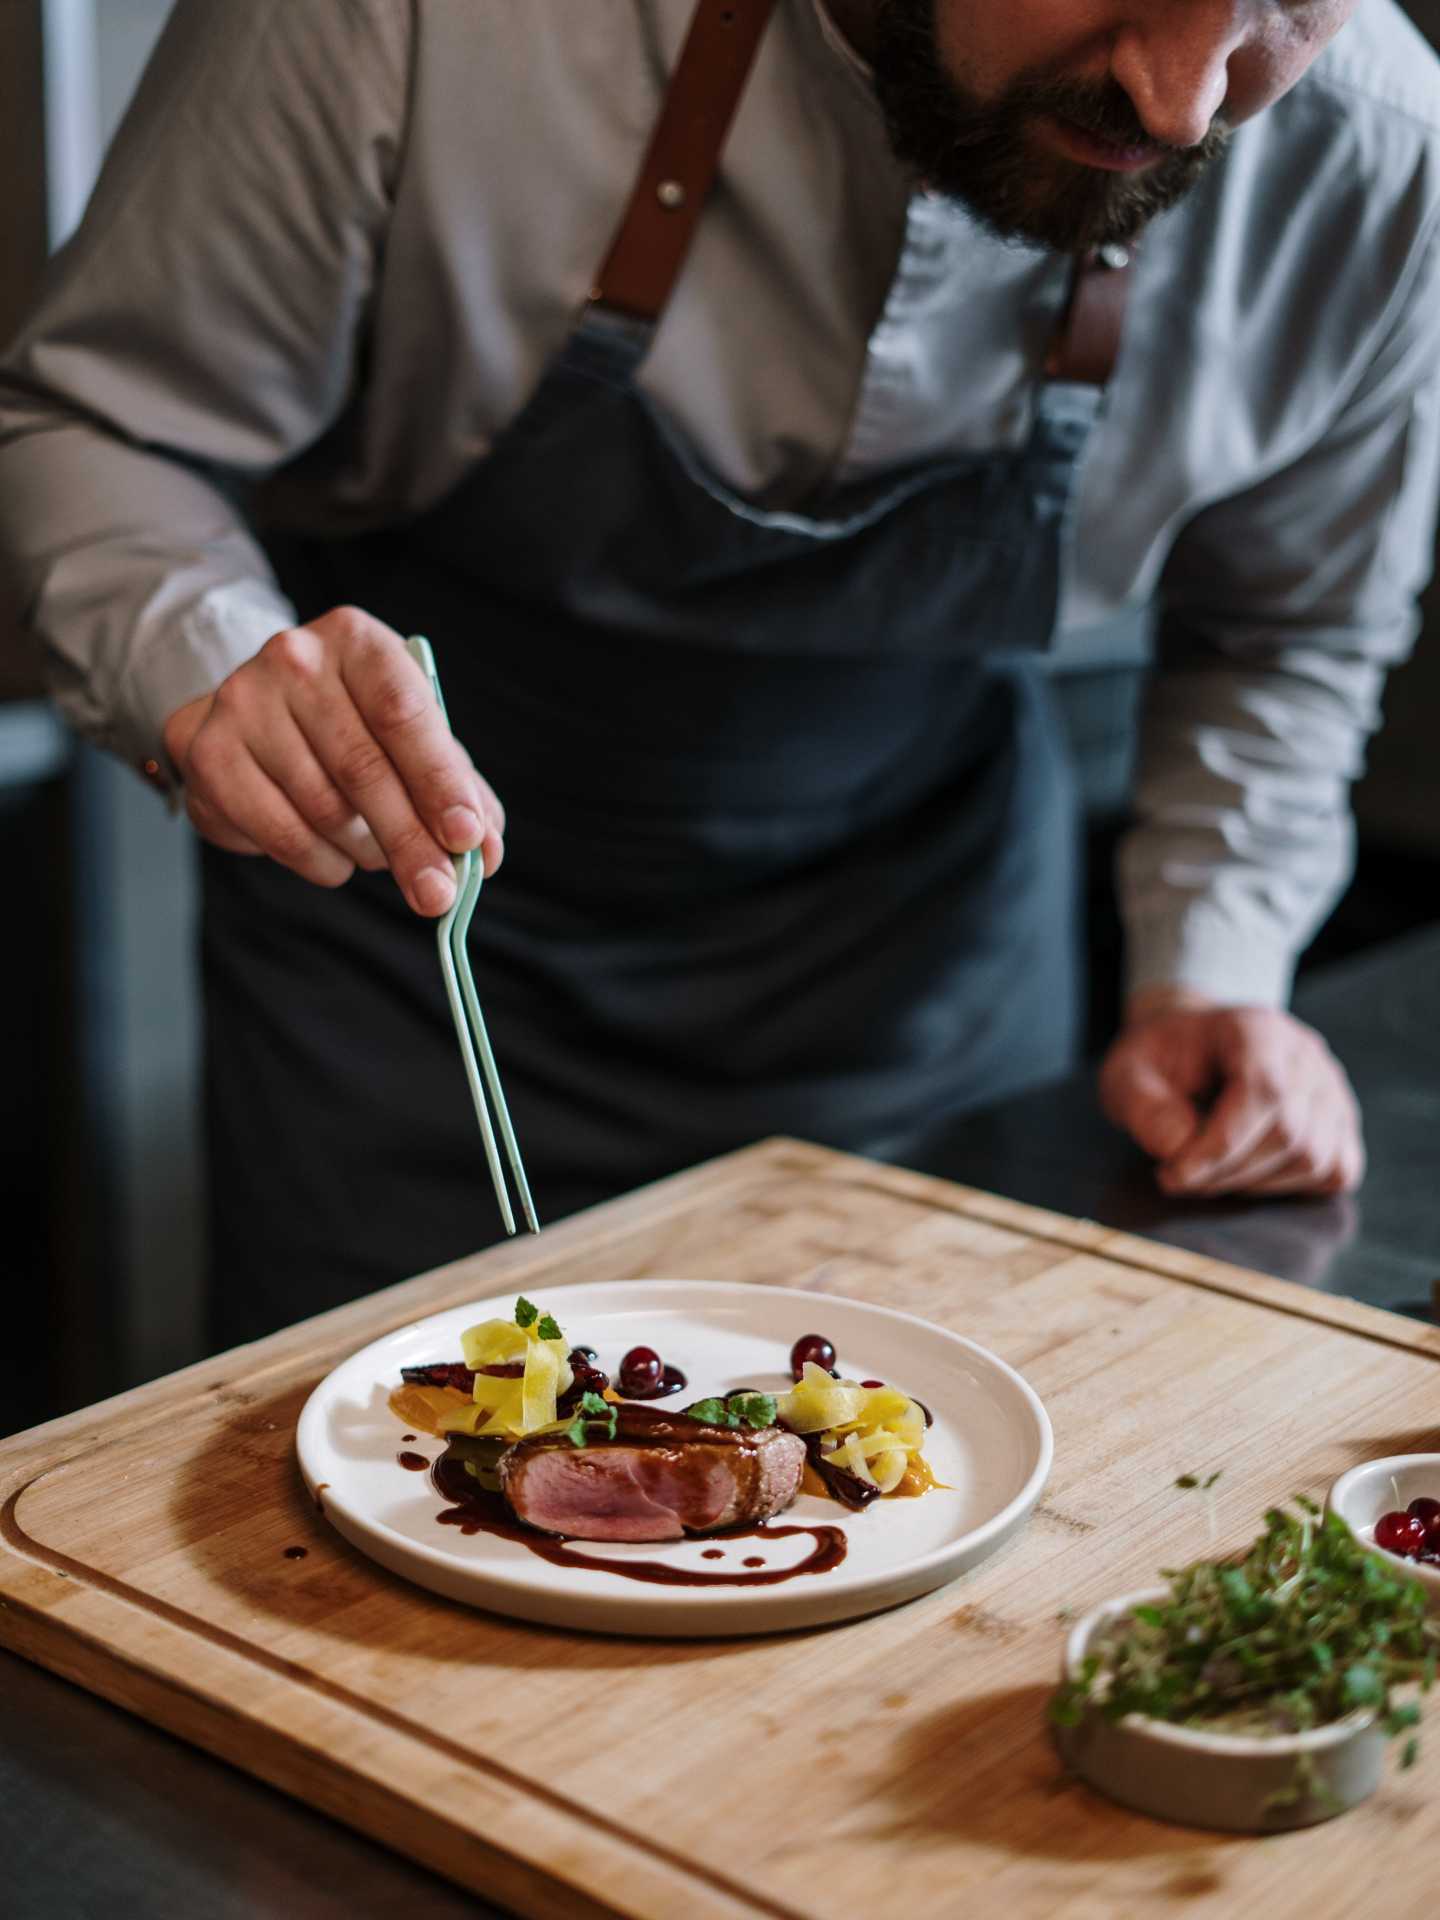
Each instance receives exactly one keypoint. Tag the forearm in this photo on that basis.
(1244, 839)
(138, 578)
(203, 321)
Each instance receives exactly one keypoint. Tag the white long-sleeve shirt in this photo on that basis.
(336, 242)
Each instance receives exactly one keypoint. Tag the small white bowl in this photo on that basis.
(1225, 1781)
(1380, 1486)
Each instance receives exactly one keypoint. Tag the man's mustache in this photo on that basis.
(1105, 111)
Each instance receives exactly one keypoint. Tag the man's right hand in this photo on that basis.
(328, 751)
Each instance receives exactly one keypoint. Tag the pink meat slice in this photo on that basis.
(653, 1489)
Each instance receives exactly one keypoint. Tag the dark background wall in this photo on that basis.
(100, 1174)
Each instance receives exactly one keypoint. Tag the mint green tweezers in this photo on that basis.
(480, 1069)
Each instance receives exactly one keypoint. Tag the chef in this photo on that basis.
(748, 398)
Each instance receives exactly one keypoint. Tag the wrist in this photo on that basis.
(1152, 1002)
(180, 729)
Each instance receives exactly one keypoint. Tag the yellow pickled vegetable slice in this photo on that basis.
(816, 1401)
(541, 1385)
(889, 1469)
(851, 1456)
(525, 1404)
(494, 1343)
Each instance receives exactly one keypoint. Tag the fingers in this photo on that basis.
(393, 698)
(1139, 1095)
(256, 813)
(384, 752)
(214, 827)
(303, 674)
(1240, 1129)
(329, 751)
(1285, 1120)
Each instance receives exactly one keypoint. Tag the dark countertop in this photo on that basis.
(1380, 1012)
(101, 1814)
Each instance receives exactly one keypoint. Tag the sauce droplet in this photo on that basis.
(753, 1560)
(415, 1462)
(712, 1553)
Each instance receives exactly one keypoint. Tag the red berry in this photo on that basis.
(1427, 1511)
(641, 1371)
(816, 1349)
(1401, 1533)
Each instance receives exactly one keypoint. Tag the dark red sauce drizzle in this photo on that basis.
(415, 1462)
(475, 1511)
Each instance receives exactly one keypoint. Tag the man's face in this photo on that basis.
(1071, 123)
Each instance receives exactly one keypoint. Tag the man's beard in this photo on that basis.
(985, 155)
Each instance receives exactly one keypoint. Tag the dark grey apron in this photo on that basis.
(790, 843)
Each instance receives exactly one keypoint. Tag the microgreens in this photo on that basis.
(527, 1315)
(592, 1412)
(1307, 1627)
(736, 1410)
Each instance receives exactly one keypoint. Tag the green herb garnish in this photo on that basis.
(735, 1410)
(1307, 1627)
(593, 1411)
(526, 1312)
(549, 1328)
(1188, 1480)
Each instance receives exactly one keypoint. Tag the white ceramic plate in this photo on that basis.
(991, 1444)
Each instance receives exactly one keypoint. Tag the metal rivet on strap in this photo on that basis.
(1113, 256)
(670, 194)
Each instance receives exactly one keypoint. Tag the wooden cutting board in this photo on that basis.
(898, 1766)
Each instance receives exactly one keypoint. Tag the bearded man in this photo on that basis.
(742, 395)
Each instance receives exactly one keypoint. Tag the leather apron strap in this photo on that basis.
(680, 165)
(659, 222)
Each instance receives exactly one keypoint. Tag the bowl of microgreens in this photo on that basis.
(1393, 1505)
(1255, 1693)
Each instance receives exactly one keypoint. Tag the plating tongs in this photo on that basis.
(465, 1005)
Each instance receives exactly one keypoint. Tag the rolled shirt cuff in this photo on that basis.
(189, 656)
(1209, 953)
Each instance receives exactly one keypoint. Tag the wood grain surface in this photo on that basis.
(895, 1766)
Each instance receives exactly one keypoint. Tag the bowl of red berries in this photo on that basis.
(1394, 1506)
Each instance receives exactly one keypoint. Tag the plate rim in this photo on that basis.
(857, 1582)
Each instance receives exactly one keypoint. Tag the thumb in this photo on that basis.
(1139, 1098)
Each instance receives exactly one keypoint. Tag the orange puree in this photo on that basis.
(917, 1479)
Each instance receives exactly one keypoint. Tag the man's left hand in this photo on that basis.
(1232, 1099)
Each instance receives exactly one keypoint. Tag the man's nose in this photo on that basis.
(1173, 60)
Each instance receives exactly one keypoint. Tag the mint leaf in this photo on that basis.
(549, 1328)
(593, 1412)
(526, 1313)
(714, 1413)
(737, 1410)
(754, 1409)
